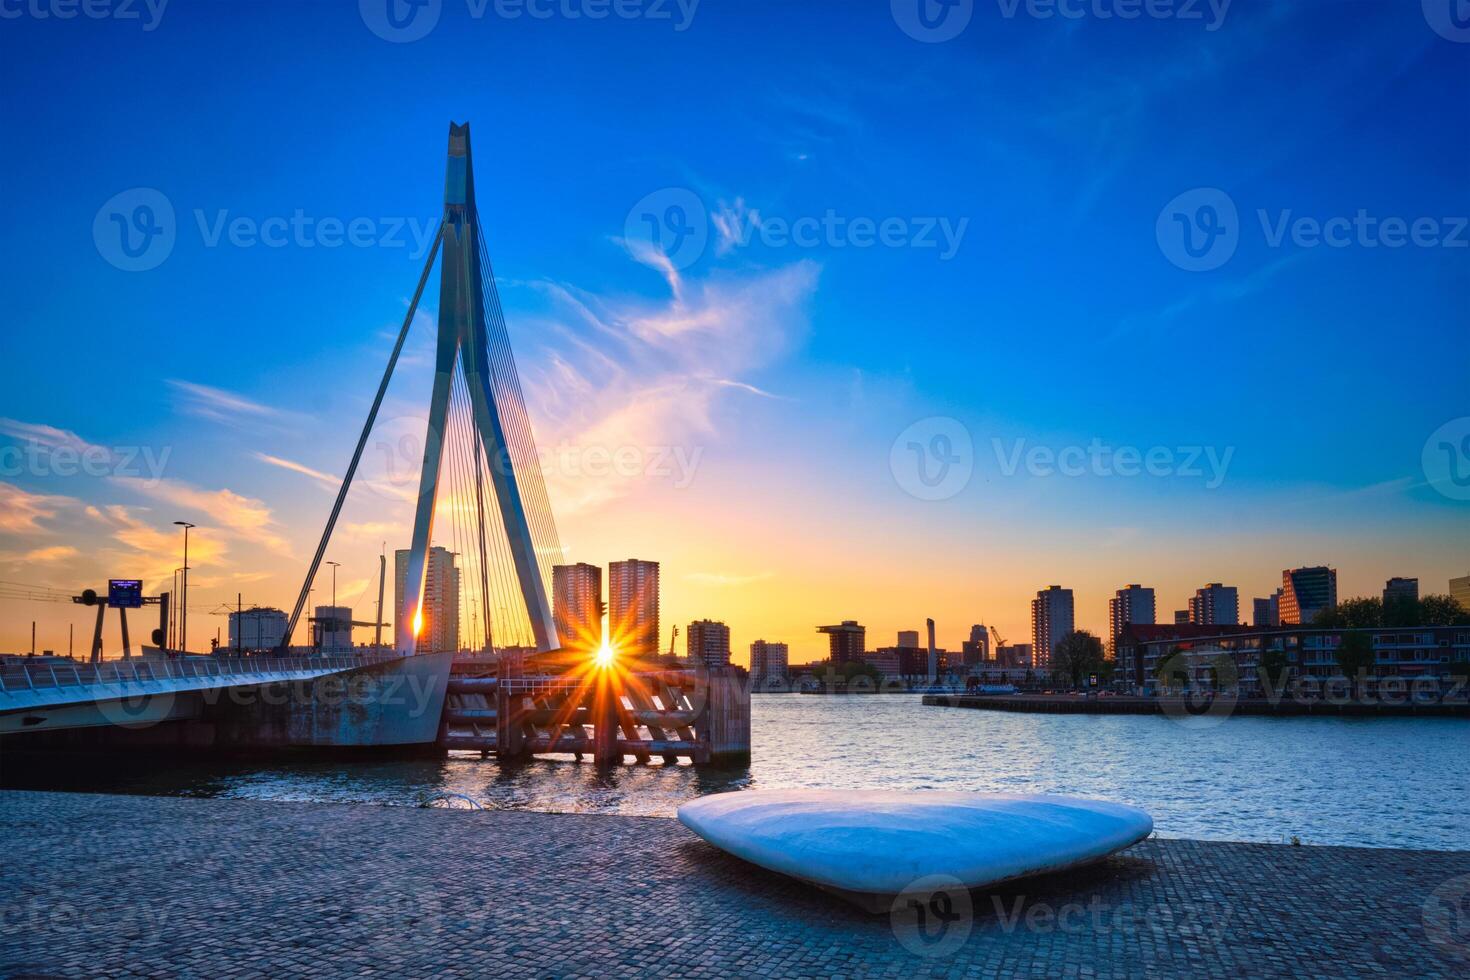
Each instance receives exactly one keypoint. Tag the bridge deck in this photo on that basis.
(26, 687)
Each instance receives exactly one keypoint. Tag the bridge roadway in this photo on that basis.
(142, 691)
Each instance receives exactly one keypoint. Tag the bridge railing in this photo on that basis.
(26, 677)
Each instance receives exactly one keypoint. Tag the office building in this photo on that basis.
(1267, 612)
(1051, 620)
(332, 628)
(438, 627)
(576, 605)
(1305, 592)
(1460, 591)
(1399, 589)
(1215, 605)
(976, 650)
(768, 659)
(1181, 616)
(258, 628)
(908, 638)
(632, 607)
(708, 643)
(846, 641)
(1130, 604)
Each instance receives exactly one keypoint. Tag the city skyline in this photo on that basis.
(744, 414)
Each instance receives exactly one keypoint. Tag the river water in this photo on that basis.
(1377, 782)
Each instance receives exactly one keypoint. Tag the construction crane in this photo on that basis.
(673, 638)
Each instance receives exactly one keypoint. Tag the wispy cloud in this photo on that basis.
(220, 405)
(21, 512)
(327, 480)
(245, 518)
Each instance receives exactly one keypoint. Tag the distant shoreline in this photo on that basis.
(1284, 707)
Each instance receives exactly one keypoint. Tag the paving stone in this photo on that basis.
(94, 885)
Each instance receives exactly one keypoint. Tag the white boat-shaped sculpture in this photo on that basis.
(870, 845)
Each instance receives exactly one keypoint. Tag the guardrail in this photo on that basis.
(48, 676)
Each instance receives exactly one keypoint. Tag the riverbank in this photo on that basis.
(1072, 704)
(131, 885)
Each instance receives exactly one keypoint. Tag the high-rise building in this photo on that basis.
(632, 607)
(1398, 589)
(1460, 591)
(1131, 604)
(708, 643)
(976, 650)
(768, 659)
(1051, 619)
(1267, 612)
(1181, 616)
(438, 626)
(1305, 592)
(846, 641)
(576, 605)
(332, 628)
(908, 638)
(1215, 605)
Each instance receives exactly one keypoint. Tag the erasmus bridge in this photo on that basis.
(480, 476)
(478, 447)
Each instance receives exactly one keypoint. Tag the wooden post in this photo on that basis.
(728, 715)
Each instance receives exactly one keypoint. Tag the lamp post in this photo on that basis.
(184, 602)
(333, 620)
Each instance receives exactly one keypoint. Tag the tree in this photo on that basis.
(1364, 612)
(1442, 610)
(1355, 656)
(1077, 655)
(1272, 669)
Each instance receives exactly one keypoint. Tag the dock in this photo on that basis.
(98, 885)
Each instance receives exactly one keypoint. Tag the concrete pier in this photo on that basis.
(95, 885)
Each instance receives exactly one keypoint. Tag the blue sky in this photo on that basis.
(1052, 145)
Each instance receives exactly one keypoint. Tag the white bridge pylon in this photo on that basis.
(462, 335)
(472, 337)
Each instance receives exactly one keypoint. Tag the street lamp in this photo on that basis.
(333, 620)
(184, 604)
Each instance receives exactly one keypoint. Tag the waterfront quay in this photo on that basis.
(97, 885)
(1179, 707)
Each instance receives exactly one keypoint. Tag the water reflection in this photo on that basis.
(1394, 782)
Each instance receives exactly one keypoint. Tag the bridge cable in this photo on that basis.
(361, 443)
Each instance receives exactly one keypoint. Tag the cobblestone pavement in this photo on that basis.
(95, 885)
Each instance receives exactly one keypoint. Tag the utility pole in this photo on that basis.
(184, 615)
(335, 565)
(239, 624)
(71, 629)
(382, 574)
(33, 637)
